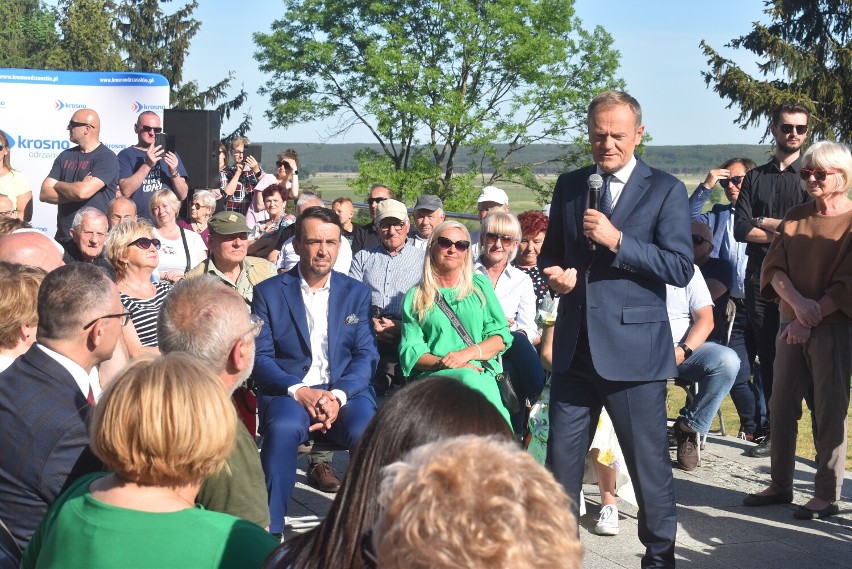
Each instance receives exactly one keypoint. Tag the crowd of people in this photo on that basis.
(148, 355)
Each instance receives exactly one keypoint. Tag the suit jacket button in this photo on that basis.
(306, 368)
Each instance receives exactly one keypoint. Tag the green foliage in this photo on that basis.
(429, 78)
(28, 36)
(806, 55)
(88, 37)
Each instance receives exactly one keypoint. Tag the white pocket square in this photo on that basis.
(351, 319)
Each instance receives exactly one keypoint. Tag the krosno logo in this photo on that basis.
(38, 143)
(59, 105)
(140, 107)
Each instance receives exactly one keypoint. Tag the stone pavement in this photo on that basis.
(715, 531)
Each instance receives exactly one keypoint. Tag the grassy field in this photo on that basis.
(804, 444)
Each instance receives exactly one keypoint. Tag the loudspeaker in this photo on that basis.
(197, 142)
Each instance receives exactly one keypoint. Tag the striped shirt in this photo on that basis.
(388, 276)
(144, 312)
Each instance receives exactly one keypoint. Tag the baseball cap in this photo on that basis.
(493, 194)
(429, 202)
(391, 209)
(228, 223)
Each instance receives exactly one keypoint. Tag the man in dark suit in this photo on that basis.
(315, 358)
(46, 396)
(612, 343)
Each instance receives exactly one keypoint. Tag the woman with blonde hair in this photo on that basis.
(180, 250)
(162, 427)
(430, 344)
(13, 184)
(133, 251)
(18, 310)
(808, 269)
(474, 502)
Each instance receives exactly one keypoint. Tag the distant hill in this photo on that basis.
(314, 157)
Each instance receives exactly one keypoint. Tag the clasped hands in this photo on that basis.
(322, 407)
(808, 314)
(387, 330)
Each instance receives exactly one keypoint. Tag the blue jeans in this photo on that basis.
(714, 368)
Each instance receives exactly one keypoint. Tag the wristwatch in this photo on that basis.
(687, 351)
(759, 221)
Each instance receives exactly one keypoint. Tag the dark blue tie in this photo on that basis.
(606, 196)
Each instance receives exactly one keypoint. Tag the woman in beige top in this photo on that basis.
(809, 270)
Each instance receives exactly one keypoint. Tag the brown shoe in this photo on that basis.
(687, 448)
(322, 477)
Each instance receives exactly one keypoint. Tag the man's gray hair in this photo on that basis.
(307, 199)
(202, 317)
(71, 296)
(85, 212)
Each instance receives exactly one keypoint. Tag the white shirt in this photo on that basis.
(289, 259)
(316, 313)
(682, 302)
(619, 179)
(84, 380)
(173, 254)
(515, 292)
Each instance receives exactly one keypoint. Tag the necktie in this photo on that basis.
(90, 398)
(606, 196)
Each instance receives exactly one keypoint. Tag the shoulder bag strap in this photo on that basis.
(456, 324)
(185, 249)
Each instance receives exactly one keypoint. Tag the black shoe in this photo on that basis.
(762, 450)
(758, 500)
(322, 477)
(803, 513)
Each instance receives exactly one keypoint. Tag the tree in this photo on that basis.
(28, 37)
(88, 37)
(427, 78)
(806, 56)
(156, 42)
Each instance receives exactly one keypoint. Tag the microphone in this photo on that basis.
(595, 182)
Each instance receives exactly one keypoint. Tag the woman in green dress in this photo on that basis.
(430, 345)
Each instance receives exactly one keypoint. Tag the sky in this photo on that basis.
(661, 62)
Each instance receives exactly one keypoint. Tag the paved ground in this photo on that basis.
(715, 530)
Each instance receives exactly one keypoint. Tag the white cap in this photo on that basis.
(493, 194)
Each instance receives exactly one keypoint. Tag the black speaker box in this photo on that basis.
(197, 142)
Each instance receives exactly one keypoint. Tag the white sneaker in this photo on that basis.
(608, 521)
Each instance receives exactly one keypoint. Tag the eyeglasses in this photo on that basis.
(125, 318)
(788, 128)
(145, 243)
(154, 129)
(284, 164)
(445, 243)
(75, 124)
(735, 180)
(699, 239)
(9, 213)
(819, 175)
(492, 238)
(256, 325)
(198, 206)
(373, 201)
(387, 225)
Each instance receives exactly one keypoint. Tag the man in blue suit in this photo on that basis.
(314, 359)
(612, 342)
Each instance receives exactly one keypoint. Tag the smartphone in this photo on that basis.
(254, 150)
(167, 141)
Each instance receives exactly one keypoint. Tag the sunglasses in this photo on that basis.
(819, 175)
(736, 180)
(444, 243)
(154, 129)
(145, 243)
(125, 318)
(492, 238)
(2, 146)
(75, 124)
(788, 128)
(699, 239)
(372, 201)
(283, 164)
(198, 206)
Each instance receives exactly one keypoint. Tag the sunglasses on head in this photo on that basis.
(788, 128)
(699, 239)
(154, 129)
(444, 243)
(735, 180)
(145, 243)
(492, 238)
(819, 175)
(75, 124)
(372, 201)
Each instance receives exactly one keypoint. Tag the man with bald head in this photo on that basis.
(120, 209)
(31, 247)
(84, 175)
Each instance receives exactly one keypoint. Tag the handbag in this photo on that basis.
(507, 393)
